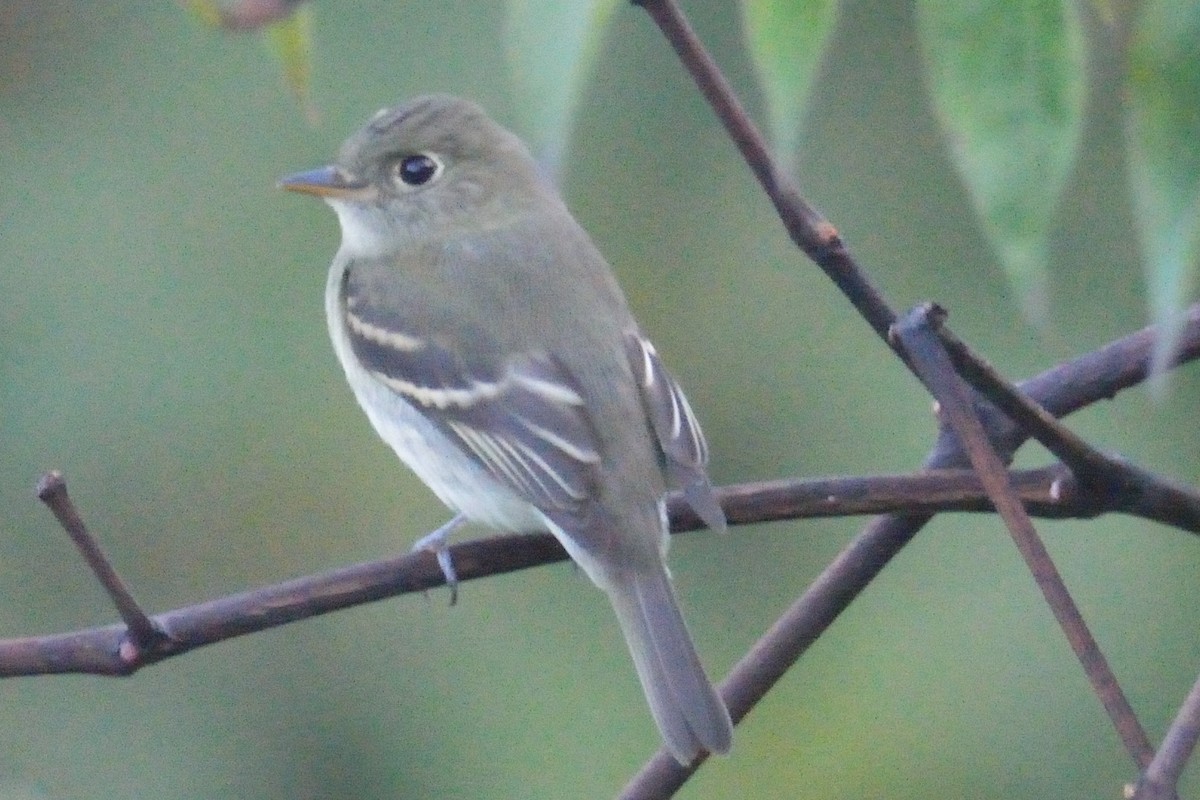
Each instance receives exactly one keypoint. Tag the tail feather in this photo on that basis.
(689, 714)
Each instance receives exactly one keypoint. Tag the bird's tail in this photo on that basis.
(687, 709)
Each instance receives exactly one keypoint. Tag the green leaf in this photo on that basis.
(290, 42)
(1007, 81)
(239, 15)
(552, 46)
(786, 39)
(1164, 153)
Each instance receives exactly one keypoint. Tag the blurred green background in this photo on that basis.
(162, 342)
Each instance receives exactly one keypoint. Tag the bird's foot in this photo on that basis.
(436, 543)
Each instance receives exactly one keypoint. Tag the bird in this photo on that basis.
(489, 344)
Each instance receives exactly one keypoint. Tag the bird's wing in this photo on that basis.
(521, 418)
(680, 439)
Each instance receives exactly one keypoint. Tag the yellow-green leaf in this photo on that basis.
(1007, 80)
(1164, 154)
(290, 42)
(552, 46)
(786, 39)
(239, 15)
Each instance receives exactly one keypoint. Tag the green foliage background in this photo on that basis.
(162, 342)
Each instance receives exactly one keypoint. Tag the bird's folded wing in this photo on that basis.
(522, 419)
(683, 446)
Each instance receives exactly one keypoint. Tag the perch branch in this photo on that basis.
(104, 650)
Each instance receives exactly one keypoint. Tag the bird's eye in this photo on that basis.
(416, 170)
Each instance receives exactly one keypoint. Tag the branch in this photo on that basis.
(811, 232)
(944, 486)
(116, 650)
(919, 334)
(1061, 390)
(52, 490)
(1161, 777)
(858, 564)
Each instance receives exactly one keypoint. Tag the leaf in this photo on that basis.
(1007, 81)
(239, 15)
(1163, 129)
(290, 42)
(552, 46)
(786, 39)
(287, 31)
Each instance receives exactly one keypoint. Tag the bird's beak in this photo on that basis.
(327, 182)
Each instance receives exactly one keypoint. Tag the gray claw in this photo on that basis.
(436, 543)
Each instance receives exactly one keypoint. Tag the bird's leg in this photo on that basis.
(436, 543)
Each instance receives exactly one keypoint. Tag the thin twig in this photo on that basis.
(917, 331)
(1063, 390)
(1049, 490)
(1110, 477)
(52, 490)
(811, 232)
(93, 651)
(884, 537)
(1038, 423)
(1161, 778)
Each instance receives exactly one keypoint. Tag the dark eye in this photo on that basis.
(417, 170)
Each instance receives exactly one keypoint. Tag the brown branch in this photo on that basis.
(1049, 492)
(100, 650)
(142, 632)
(1063, 389)
(811, 232)
(919, 335)
(1103, 475)
(883, 538)
(110, 650)
(1161, 777)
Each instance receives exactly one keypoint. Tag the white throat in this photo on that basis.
(364, 229)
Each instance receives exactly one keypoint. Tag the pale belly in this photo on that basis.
(451, 475)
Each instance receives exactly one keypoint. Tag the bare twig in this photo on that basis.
(1049, 490)
(919, 336)
(94, 650)
(1062, 390)
(858, 564)
(811, 232)
(1125, 485)
(1161, 777)
(143, 633)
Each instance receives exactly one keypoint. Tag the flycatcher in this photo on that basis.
(488, 342)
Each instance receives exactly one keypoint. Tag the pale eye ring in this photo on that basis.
(416, 169)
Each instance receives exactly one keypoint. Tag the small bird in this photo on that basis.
(488, 342)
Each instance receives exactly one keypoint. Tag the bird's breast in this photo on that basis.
(441, 465)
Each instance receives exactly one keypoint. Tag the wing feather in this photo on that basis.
(522, 420)
(680, 439)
